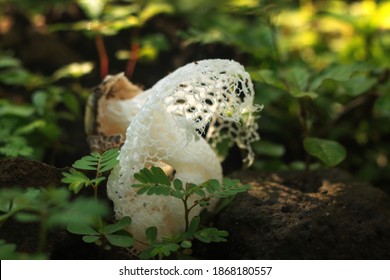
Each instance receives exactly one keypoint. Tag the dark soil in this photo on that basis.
(323, 215)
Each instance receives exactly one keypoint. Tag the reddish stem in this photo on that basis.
(134, 50)
(102, 56)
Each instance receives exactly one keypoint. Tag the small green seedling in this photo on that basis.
(151, 181)
(94, 162)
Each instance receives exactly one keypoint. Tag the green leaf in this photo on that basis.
(142, 190)
(9, 61)
(177, 194)
(340, 73)
(98, 180)
(159, 176)
(200, 192)
(230, 188)
(209, 235)
(72, 103)
(73, 70)
(382, 105)
(31, 127)
(297, 77)
(7, 251)
(83, 229)
(139, 177)
(95, 161)
(191, 188)
(16, 146)
(121, 224)
(92, 8)
(300, 94)
(91, 238)
(193, 226)
(153, 182)
(79, 211)
(109, 160)
(23, 111)
(268, 148)
(178, 185)
(76, 180)
(186, 244)
(169, 248)
(121, 240)
(147, 173)
(146, 254)
(358, 85)
(213, 185)
(15, 76)
(27, 217)
(40, 101)
(204, 203)
(269, 77)
(85, 165)
(151, 234)
(165, 249)
(329, 152)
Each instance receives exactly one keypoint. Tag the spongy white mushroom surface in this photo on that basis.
(179, 122)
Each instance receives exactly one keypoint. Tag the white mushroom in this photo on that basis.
(198, 104)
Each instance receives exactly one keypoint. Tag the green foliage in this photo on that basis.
(51, 208)
(53, 204)
(8, 252)
(94, 162)
(114, 234)
(101, 233)
(180, 244)
(321, 69)
(108, 17)
(29, 128)
(153, 181)
(329, 152)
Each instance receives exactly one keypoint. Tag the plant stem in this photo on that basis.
(186, 213)
(102, 55)
(134, 50)
(95, 191)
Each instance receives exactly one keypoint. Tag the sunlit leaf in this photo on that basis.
(74, 70)
(93, 8)
(340, 73)
(16, 110)
(358, 85)
(8, 61)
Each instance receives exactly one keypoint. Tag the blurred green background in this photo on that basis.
(320, 68)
